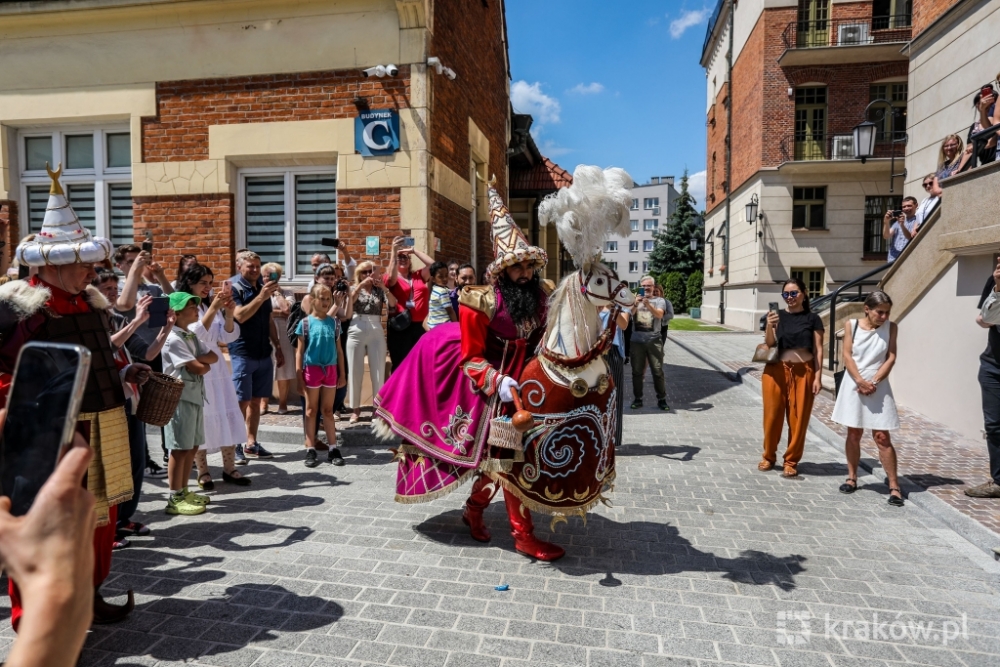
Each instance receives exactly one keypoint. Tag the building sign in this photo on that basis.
(376, 132)
(371, 246)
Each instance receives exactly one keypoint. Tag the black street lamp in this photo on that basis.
(694, 245)
(752, 209)
(866, 135)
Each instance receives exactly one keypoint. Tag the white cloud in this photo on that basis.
(529, 98)
(688, 19)
(549, 149)
(587, 89)
(696, 186)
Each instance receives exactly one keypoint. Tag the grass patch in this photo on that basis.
(685, 323)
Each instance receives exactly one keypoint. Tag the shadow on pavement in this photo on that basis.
(686, 453)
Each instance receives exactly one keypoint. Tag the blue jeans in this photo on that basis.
(989, 382)
(137, 450)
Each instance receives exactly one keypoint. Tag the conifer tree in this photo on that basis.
(672, 246)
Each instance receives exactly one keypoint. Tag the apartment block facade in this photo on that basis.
(652, 205)
(803, 73)
(216, 125)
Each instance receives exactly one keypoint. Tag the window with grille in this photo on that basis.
(650, 225)
(890, 123)
(97, 177)
(812, 279)
(876, 247)
(286, 214)
(809, 208)
(611, 246)
(633, 246)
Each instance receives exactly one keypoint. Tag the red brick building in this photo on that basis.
(228, 125)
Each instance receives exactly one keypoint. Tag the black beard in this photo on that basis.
(520, 300)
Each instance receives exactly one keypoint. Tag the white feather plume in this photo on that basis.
(595, 205)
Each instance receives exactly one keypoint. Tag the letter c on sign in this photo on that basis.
(370, 140)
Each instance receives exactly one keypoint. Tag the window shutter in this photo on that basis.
(81, 198)
(38, 197)
(315, 216)
(120, 198)
(265, 211)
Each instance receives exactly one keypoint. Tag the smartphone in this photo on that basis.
(158, 312)
(147, 245)
(273, 276)
(42, 409)
(227, 288)
(986, 91)
(330, 243)
(408, 242)
(642, 291)
(773, 306)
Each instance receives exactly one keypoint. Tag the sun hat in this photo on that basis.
(179, 300)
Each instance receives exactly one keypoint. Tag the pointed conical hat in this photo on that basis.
(62, 238)
(509, 243)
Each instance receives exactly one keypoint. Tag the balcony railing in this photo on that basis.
(847, 32)
(798, 148)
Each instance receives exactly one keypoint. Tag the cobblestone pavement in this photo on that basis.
(702, 561)
(931, 455)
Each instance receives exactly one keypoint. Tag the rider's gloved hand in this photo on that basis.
(507, 385)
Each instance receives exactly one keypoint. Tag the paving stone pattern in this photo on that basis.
(702, 561)
(931, 455)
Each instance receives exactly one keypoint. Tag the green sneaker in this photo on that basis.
(196, 499)
(182, 506)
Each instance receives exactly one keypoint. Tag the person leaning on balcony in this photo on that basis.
(986, 117)
(865, 398)
(790, 385)
(951, 157)
(900, 230)
(933, 189)
(989, 383)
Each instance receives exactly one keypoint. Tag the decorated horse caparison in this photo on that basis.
(520, 343)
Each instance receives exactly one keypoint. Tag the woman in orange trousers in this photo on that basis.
(789, 385)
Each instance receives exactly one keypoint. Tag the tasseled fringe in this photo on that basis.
(434, 495)
(558, 515)
(381, 429)
(490, 465)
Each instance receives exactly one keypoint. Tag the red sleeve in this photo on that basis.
(474, 326)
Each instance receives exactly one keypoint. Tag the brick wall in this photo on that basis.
(198, 224)
(468, 38)
(751, 85)
(11, 230)
(451, 224)
(186, 108)
(926, 12)
(716, 158)
(362, 213)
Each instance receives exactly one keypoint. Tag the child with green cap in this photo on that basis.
(186, 358)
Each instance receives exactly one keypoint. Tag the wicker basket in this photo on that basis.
(159, 399)
(504, 435)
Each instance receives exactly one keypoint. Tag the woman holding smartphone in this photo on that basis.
(789, 385)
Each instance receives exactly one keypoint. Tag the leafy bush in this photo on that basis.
(695, 283)
(675, 290)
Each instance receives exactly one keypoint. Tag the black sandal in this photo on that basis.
(895, 501)
(849, 488)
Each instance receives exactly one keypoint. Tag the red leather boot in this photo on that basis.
(523, 531)
(483, 490)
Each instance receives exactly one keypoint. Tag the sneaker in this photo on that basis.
(196, 499)
(180, 505)
(663, 406)
(133, 528)
(334, 457)
(120, 542)
(311, 460)
(241, 459)
(985, 490)
(153, 470)
(257, 452)
(636, 404)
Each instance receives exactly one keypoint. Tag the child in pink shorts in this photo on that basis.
(319, 362)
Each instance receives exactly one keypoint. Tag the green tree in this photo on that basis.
(675, 290)
(672, 246)
(694, 285)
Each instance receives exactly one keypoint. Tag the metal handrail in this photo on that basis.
(831, 363)
(978, 139)
(826, 32)
(798, 147)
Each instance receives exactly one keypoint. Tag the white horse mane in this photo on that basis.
(595, 205)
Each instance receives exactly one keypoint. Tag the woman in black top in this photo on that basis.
(790, 385)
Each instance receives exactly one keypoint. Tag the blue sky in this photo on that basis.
(613, 83)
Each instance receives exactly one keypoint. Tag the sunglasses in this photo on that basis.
(790, 295)
(928, 184)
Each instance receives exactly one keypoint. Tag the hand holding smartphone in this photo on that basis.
(158, 312)
(42, 410)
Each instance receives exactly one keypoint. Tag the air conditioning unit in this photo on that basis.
(843, 147)
(852, 33)
(656, 210)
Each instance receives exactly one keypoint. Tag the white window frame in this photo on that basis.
(291, 275)
(650, 203)
(612, 265)
(645, 267)
(635, 205)
(100, 175)
(633, 267)
(634, 224)
(647, 245)
(646, 227)
(611, 246)
(633, 246)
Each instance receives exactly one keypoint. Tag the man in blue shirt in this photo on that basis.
(253, 370)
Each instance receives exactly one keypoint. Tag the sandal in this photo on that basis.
(236, 478)
(355, 418)
(205, 482)
(790, 471)
(849, 486)
(765, 465)
(896, 501)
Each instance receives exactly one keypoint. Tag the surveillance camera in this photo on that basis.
(450, 73)
(391, 70)
(436, 64)
(378, 70)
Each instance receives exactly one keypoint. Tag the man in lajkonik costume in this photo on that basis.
(459, 376)
(59, 305)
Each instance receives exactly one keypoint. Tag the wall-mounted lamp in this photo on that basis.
(866, 135)
(754, 214)
(694, 245)
(439, 67)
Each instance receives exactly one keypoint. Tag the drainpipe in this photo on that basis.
(729, 161)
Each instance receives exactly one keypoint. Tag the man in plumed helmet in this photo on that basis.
(58, 304)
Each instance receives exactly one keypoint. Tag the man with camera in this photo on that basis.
(647, 344)
(899, 227)
(253, 372)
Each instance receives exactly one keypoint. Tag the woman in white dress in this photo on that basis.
(865, 398)
(224, 427)
(281, 307)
